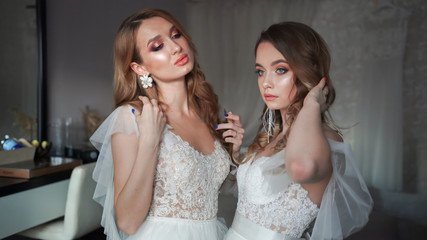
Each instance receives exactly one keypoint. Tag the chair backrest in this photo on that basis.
(82, 213)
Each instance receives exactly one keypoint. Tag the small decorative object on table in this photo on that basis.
(42, 149)
(10, 144)
(15, 150)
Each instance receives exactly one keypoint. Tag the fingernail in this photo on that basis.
(325, 78)
(133, 110)
(216, 126)
(226, 114)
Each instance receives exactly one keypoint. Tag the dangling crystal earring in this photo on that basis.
(146, 81)
(268, 123)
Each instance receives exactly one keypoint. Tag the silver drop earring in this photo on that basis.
(268, 123)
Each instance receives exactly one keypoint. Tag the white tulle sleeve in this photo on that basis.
(121, 120)
(346, 203)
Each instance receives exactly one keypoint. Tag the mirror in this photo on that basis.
(22, 68)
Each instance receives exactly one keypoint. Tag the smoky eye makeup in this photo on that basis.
(281, 70)
(157, 43)
(175, 33)
(259, 72)
(156, 46)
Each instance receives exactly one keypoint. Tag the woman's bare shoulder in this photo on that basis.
(331, 133)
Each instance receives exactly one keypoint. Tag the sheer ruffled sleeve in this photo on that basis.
(120, 120)
(346, 203)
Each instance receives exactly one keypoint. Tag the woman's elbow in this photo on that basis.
(301, 171)
(126, 226)
(309, 170)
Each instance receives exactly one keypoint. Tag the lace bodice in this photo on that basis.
(187, 181)
(268, 197)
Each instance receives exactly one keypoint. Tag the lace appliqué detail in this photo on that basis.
(187, 181)
(288, 211)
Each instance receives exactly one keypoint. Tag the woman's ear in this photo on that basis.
(138, 69)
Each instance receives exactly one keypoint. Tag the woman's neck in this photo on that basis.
(175, 96)
(285, 125)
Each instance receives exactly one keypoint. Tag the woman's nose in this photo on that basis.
(267, 82)
(175, 47)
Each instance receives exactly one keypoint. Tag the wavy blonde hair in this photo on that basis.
(127, 88)
(308, 57)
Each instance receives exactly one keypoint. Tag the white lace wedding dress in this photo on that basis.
(185, 197)
(271, 206)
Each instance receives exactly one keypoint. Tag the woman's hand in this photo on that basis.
(318, 94)
(307, 154)
(135, 161)
(151, 120)
(233, 132)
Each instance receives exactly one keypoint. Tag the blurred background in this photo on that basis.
(379, 69)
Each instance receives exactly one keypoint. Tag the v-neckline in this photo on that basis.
(261, 157)
(192, 147)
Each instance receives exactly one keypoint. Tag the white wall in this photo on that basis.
(80, 38)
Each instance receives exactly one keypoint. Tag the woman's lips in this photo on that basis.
(182, 60)
(269, 97)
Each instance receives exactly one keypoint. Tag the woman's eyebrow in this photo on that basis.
(278, 61)
(158, 36)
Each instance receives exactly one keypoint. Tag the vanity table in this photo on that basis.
(25, 203)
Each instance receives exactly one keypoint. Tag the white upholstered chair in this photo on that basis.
(82, 214)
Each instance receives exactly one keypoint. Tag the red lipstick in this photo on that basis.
(182, 60)
(269, 97)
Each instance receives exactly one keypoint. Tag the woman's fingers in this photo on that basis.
(154, 103)
(150, 104)
(318, 94)
(234, 119)
(325, 91)
(322, 83)
(144, 99)
(234, 132)
(232, 126)
(152, 119)
(321, 86)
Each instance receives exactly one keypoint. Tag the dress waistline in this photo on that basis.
(250, 230)
(175, 219)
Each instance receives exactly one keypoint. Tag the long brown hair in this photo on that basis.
(127, 88)
(308, 57)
